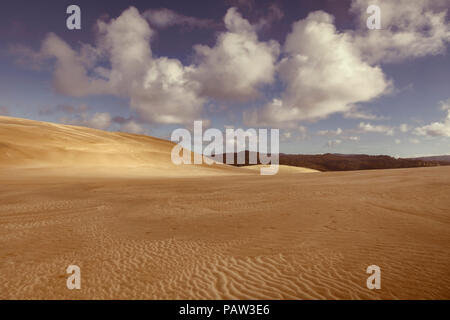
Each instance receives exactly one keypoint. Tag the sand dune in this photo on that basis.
(74, 150)
(289, 236)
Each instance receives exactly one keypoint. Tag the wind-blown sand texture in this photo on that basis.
(73, 150)
(227, 236)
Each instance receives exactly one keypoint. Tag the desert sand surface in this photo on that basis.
(211, 236)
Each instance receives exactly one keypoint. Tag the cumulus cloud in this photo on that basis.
(436, 129)
(70, 76)
(410, 29)
(323, 73)
(160, 89)
(164, 18)
(367, 127)
(239, 64)
(336, 132)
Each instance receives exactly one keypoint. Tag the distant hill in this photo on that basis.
(347, 162)
(434, 158)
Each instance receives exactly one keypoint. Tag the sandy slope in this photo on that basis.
(83, 151)
(298, 236)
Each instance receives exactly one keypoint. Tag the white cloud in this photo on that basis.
(397, 141)
(160, 89)
(164, 18)
(404, 128)
(323, 73)
(70, 76)
(410, 29)
(239, 64)
(367, 127)
(100, 121)
(336, 132)
(355, 113)
(414, 141)
(436, 129)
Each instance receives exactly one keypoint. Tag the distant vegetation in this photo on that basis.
(440, 159)
(347, 162)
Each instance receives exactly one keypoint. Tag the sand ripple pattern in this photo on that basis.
(310, 237)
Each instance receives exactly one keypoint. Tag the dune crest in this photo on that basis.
(40, 145)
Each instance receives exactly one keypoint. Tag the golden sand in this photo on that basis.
(67, 198)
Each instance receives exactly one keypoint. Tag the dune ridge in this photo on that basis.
(42, 145)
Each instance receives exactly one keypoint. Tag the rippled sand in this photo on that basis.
(142, 228)
(299, 236)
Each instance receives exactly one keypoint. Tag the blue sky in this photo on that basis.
(313, 70)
